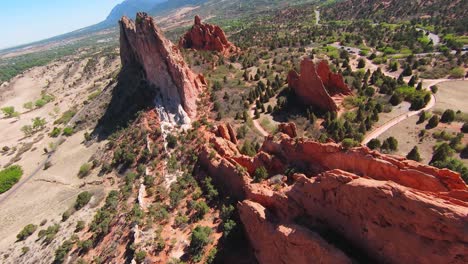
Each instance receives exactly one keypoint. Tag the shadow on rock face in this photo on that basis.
(130, 95)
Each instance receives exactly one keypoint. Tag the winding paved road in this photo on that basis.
(393, 122)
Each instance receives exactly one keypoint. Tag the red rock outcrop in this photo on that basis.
(318, 86)
(143, 44)
(285, 243)
(207, 37)
(381, 208)
(226, 132)
(288, 129)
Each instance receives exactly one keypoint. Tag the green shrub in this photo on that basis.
(464, 128)
(26, 232)
(414, 154)
(140, 256)
(9, 177)
(68, 131)
(348, 143)
(171, 141)
(448, 116)
(85, 246)
(260, 174)
(65, 118)
(457, 72)
(82, 200)
(49, 233)
(201, 208)
(80, 225)
(374, 144)
(433, 122)
(9, 111)
(62, 251)
(55, 132)
(198, 240)
(84, 171)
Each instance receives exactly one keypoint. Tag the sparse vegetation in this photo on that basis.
(26, 232)
(85, 170)
(82, 200)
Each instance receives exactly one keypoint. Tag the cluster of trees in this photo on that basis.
(388, 145)
(443, 158)
(353, 125)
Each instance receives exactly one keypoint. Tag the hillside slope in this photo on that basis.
(454, 13)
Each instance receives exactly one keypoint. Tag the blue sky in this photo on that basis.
(24, 21)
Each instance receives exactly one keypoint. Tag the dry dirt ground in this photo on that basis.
(45, 195)
(451, 95)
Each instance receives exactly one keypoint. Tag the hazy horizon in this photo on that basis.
(29, 21)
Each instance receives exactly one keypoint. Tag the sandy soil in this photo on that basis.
(45, 195)
(453, 95)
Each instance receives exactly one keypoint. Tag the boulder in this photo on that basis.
(288, 129)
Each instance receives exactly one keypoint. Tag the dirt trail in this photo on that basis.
(257, 125)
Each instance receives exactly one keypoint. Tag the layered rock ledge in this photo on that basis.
(342, 206)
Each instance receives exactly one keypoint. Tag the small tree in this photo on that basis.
(433, 122)
(414, 154)
(434, 89)
(38, 123)
(464, 128)
(201, 208)
(361, 63)
(374, 144)
(392, 143)
(26, 232)
(348, 143)
(260, 174)
(442, 153)
(82, 200)
(448, 116)
(9, 111)
(198, 240)
(422, 117)
(84, 171)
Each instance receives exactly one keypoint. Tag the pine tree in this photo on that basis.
(419, 87)
(414, 154)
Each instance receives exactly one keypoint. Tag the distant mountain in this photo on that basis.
(173, 4)
(130, 8)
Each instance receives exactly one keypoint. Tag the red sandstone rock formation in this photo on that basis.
(226, 132)
(288, 129)
(143, 44)
(382, 208)
(207, 37)
(285, 243)
(318, 86)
